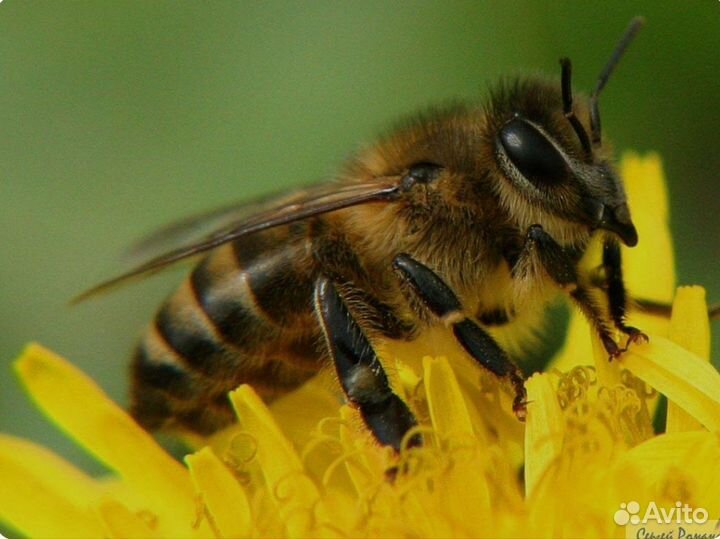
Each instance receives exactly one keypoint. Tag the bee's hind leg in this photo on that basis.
(361, 374)
(439, 299)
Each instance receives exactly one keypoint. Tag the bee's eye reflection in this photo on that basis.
(532, 153)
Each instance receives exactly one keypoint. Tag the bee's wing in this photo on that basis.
(202, 226)
(294, 207)
(194, 228)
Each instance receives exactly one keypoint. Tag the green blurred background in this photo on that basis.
(116, 117)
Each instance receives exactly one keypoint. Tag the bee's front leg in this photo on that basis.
(442, 302)
(361, 374)
(561, 267)
(616, 294)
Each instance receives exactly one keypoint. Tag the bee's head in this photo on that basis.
(550, 151)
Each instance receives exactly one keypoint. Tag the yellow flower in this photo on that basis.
(305, 466)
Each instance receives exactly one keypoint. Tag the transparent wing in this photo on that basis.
(192, 229)
(293, 207)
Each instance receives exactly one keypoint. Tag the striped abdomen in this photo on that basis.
(244, 315)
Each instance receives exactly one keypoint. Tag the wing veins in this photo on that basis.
(292, 212)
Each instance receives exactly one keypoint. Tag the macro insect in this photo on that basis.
(472, 217)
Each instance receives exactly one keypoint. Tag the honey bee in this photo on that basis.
(470, 217)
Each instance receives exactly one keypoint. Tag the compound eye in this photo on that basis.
(532, 153)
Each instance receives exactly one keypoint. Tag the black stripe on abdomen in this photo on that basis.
(280, 279)
(155, 373)
(222, 293)
(189, 340)
(279, 290)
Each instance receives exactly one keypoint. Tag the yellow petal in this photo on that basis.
(430, 524)
(357, 445)
(648, 199)
(654, 456)
(647, 196)
(121, 523)
(407, 380)
(449, 414)
(584, 347)
(609, 372)
(702, 465)
(298, 412)
(54, 470)
(41, 495)
(544, 431)
(464, 485)
(296, 496)
(686, 379)
(222, 494)
(680, 457)
(80, 408)
(690, 328)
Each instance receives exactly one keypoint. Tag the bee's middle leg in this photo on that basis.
(361, 374)
(439, 298)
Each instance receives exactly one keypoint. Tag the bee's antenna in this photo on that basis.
(566, 84)
(632, 30)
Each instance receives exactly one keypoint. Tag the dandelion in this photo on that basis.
(305, 466)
